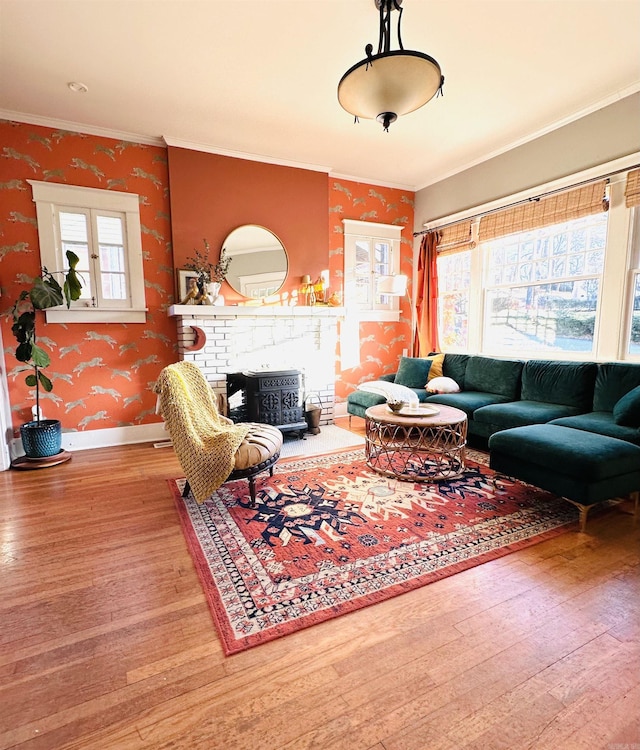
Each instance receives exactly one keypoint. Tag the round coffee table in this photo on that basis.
(422, 446)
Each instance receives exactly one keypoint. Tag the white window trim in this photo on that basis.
(633, 270)
(46, 196)
(354, 229)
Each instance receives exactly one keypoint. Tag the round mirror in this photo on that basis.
(259, 261)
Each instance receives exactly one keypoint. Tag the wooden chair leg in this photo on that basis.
(252, 491)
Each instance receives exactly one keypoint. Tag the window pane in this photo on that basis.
(363, 258)
(543, 288)
(454, 279)
(73, 227)
(545, 317)
(112, 263)
(110, 230)
(382, 251)
(111, 258)
(74, 237)
(363, 272)
(383, 258)
(113, 286)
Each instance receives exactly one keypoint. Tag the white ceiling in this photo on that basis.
(259, 77)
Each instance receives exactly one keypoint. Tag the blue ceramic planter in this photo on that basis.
(41, 439)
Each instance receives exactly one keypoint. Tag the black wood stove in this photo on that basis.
(271, 397)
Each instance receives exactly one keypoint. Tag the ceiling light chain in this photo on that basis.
(384, 44)
(392, 82)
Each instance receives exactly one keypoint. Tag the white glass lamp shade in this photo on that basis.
(393, 82)
(394, 286)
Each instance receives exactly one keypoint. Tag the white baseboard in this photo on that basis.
(76, 440)
(340, 409)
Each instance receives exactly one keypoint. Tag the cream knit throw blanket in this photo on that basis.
(205, 443)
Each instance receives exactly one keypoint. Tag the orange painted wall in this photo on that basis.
(102, 373)
(381, 344)
(211, 195)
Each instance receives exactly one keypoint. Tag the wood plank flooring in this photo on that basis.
(106, 642)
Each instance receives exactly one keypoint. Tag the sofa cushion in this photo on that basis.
(489, 375)
(468, 401)
(627, 410)
(613, 381)
(519, 413)
(568, 383)
(365, 399)
(442, 385)
(601, 423)
(571, 452)
(454, 367)
(413, 371)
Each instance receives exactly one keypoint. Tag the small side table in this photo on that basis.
(417, 447)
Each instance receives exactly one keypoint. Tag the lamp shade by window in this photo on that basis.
(394, 286)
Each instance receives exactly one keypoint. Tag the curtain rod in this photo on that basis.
(533, 199)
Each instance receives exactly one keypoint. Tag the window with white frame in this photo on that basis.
(102, 227)
(542, 287)
(568, 289)
(371, 252)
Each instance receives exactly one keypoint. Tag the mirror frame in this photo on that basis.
(236, 284)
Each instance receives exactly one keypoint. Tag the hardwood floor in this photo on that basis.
(106, 641)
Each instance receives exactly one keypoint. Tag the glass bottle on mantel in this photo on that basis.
(306, 291)
(318, 290)
(311, 295)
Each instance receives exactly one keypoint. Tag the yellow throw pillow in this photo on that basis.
(435, 371)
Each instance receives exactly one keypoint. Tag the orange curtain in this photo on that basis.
(426, 334)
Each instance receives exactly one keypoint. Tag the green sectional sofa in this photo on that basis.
(499, 394)
(572, 428)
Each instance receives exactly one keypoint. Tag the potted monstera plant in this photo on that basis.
(41, 438)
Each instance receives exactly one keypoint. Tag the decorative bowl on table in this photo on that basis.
(396, 406)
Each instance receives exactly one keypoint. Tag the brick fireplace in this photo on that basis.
(225, 340)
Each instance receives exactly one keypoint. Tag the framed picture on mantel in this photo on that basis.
(187, 279)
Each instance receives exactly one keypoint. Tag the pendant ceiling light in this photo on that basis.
(392, 82)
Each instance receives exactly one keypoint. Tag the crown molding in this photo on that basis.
(379, 183)
(209, 149)
(78, 127)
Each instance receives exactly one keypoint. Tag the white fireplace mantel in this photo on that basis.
(252, 311)
(229, 339)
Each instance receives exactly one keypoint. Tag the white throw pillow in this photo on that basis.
(390, 391)
(442, 385)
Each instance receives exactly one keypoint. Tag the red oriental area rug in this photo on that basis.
(329, 536)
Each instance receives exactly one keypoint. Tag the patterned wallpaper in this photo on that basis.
(102, 373)
(381, 344)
